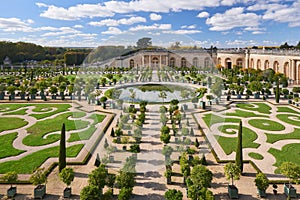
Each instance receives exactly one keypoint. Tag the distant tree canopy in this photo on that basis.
(287, 46)
(143, 43)
(20, 52)
(74, 58)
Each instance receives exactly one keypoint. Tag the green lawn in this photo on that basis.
(226, 128)
(211, 119)
(229, 144)
(265, 124)
(85, 135)
(18, 112)
(45, 108)
(6, 147)
(10, 123)
(287, 110)
(286, 118)
(256, 156)
(271, 138)
(244, 114)
(29, 163)
(41, 128)
(11, 107)
(289, 153)
(262, 107)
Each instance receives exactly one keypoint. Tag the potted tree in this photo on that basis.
(67, 176)
(232, 171)
(11, 177)
(39, 179)
(292, 172)
(262, 183)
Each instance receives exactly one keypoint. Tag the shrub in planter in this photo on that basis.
(11, 177)
(39, 178)
(232, 171)
(262, 183)
(67, 176)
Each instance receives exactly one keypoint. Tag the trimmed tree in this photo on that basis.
(277, 95)
(239, 150)
(90, 192)
(62, 149)
(173, 194)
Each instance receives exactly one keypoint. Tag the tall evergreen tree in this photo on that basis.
(277, 91)
(62, 149)
(239, 150)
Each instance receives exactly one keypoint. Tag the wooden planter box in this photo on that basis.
(289, 190)
(67, 192)
(233, 192)
(39, 191)
(11, 192)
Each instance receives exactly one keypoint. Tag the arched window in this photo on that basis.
(251, 63)
(228, 63)
(183, 62)
(258, 64)
(195, 62)
(286, 69)
(219, 61)
(239, 62)
(206, 62)
(266, 65)
(131, 63)
(172, 62)
(276, 66)
(155, 62)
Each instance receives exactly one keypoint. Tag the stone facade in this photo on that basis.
(286, 62)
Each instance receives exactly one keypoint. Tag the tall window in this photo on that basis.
(206, 62)
(258, 65)
(239, 62)
(276, 66)
(131, 63)
(195, 62)
(172, 62)
(266, 66)
(183, 62)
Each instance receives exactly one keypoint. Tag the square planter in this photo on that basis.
(39, 191)
(233, 192)
(261, 193)
(67, 192)
(11, 192)
(289, 190)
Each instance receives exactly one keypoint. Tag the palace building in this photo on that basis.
(282, 61)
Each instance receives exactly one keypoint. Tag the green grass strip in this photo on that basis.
(30, 163)
(267, 125)
(18, 112)
(289, 153)
(41, 128)
(10, 123)
(229, 144)
(42, 108)
(85, 135)
(256, 156)
(244, 114)
(287, 110)
(6, 148)
(211, 119)
(262, 107)
(287, 119)
(272, 138)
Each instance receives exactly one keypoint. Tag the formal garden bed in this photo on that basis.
(30, 134)
(264, 124)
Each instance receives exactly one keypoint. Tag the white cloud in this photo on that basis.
(78, 26)
(258, 32)
(75, 12)
(151, 27)
(155, 17)
(189, 26)
(15, 25)
(240, 43)
(233, 18)
(203, 15)
(113, 22)
(112, 31)
(182, 32)
(61, 31)
(109, 8)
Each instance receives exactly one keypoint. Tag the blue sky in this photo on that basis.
(90, 23)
